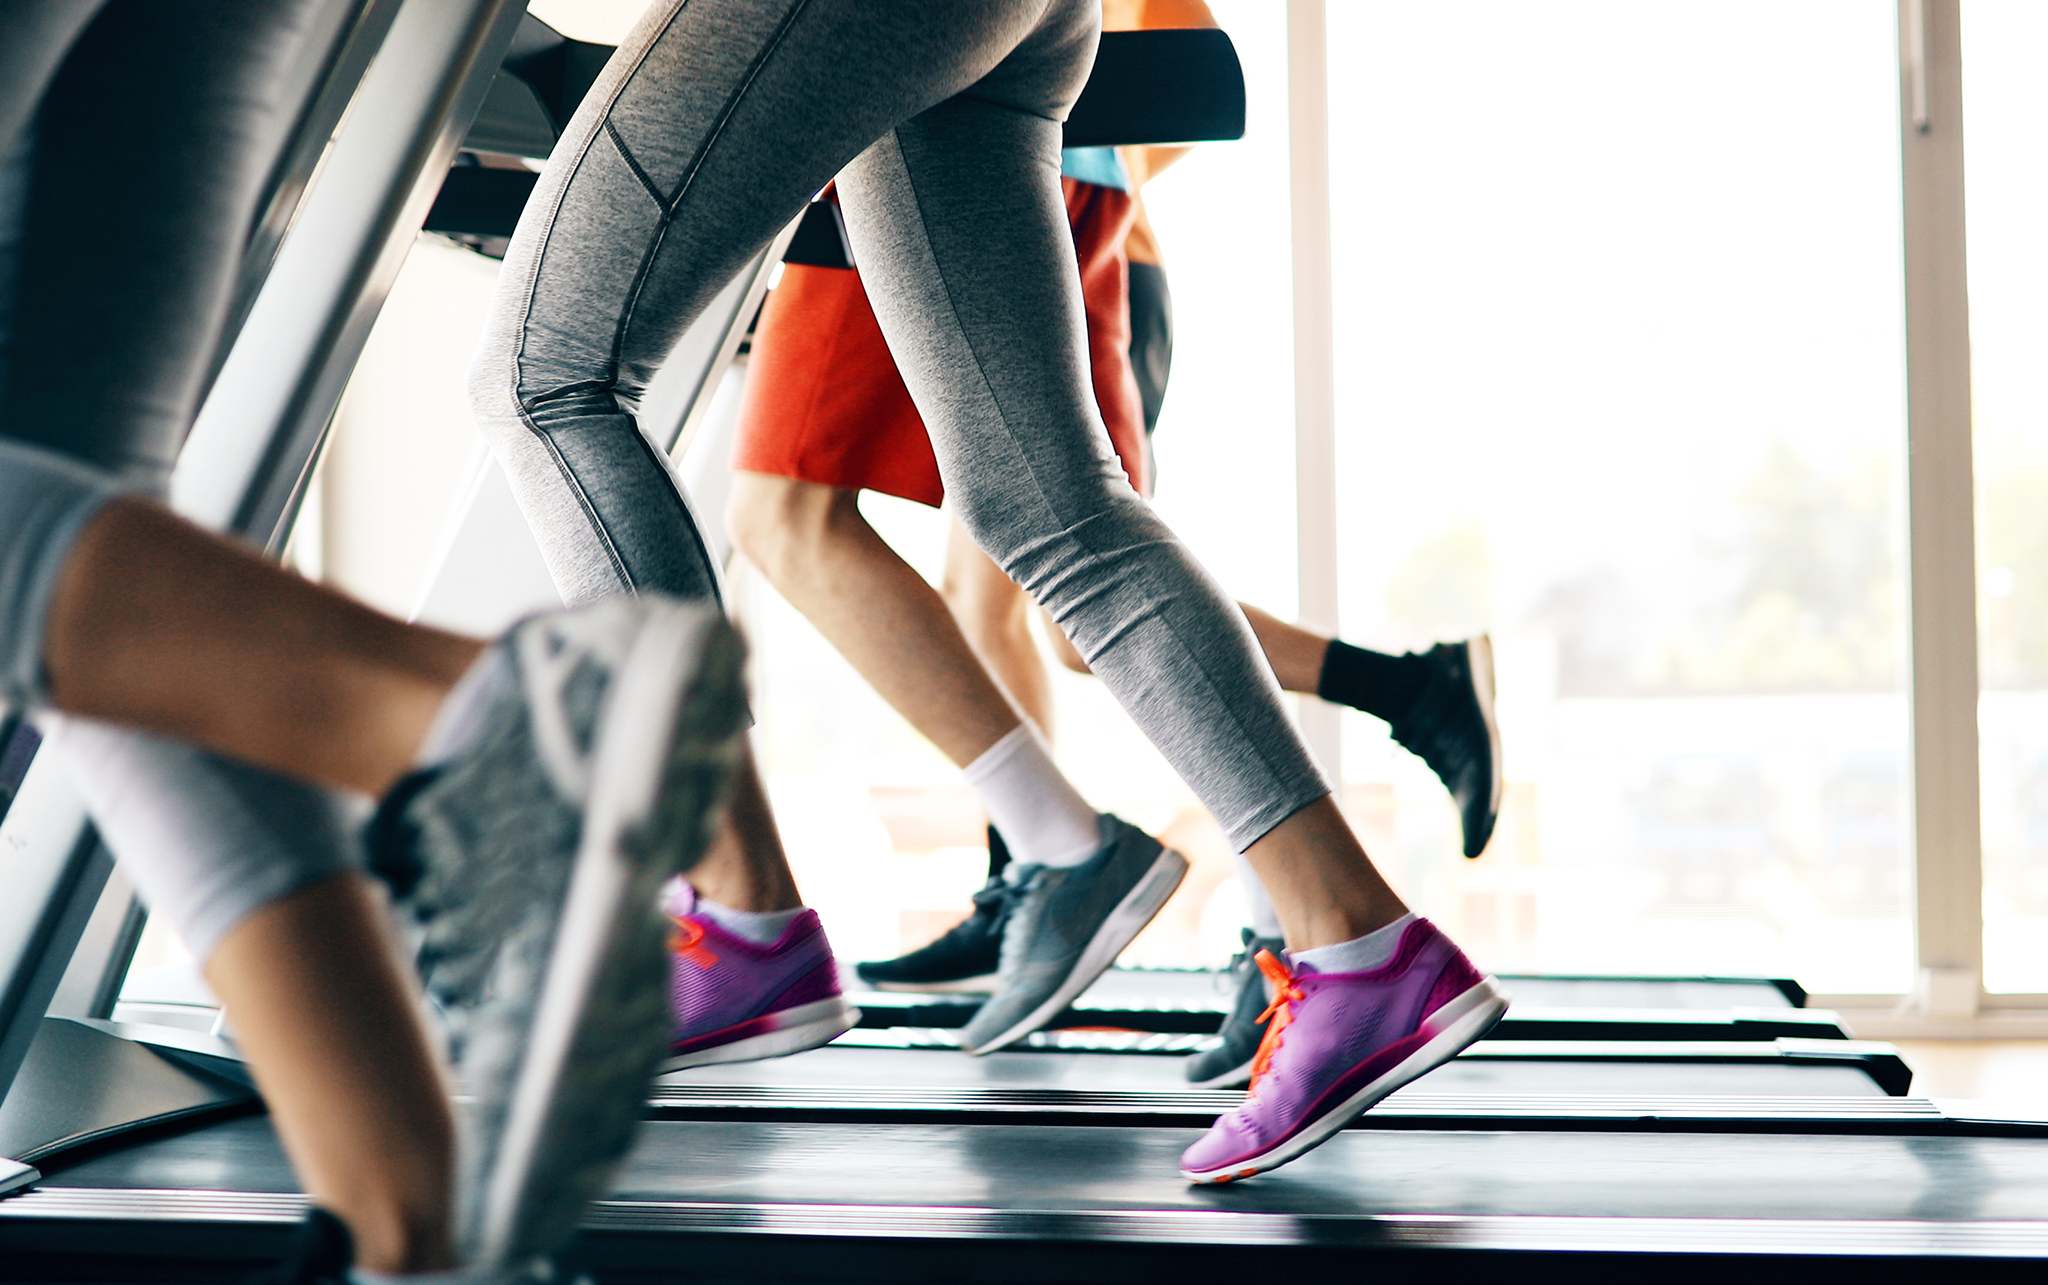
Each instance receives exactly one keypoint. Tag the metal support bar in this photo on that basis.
(91, 984)
(56, 868)
(245, 466)
(1940, 499)
(1315, 356)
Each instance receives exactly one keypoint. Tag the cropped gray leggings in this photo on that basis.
(123, 211)
(711, 128)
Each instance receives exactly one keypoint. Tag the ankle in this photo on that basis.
(394, 1242)
(1334, 924)
(1359, 954)
(762, 927)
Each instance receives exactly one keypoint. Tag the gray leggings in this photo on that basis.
(708, 132)
(123, 212)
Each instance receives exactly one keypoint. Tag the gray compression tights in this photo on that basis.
(122, 216)
(708, 132)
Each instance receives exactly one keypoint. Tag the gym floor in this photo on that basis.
(2010, 1072)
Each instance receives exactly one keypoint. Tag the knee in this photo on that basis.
(782, 525)
(1095, 520)
(492, 385)
(984, 601)
(980, 596)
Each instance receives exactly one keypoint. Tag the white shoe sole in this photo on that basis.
(647, 795)
(811, 1026)
(1469, 1017)
(982, 985)
(1129, 918)
(1479, 659)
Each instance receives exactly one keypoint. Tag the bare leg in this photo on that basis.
(816, 549)
(1296, 654)
(746, 867)
(1320, 879)
(994, 614)
(159, 625)
(350, 1078)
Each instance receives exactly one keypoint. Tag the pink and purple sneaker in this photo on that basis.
(1339, 1042)
(738, 1001)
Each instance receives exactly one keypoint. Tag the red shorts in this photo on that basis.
(823, 400)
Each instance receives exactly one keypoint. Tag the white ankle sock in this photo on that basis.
(1360, 954)
(1265, 919)
(1039, 813)
(762, 927)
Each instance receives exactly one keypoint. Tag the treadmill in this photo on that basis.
(140, 1152)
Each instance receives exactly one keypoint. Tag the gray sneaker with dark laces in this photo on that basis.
(1229, 1064)
(1067, 925)
(577, 767)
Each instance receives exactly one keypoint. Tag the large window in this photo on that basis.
(1621, 379)
(2006, 101)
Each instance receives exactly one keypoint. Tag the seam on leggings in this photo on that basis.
(554, 210)
(566, 390)
(611, 131)
(1274, 776)
(546, 238)
(604, 536)
(674, 203)
(685, 519)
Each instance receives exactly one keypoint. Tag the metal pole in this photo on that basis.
(1940, 498)
(1315, 357)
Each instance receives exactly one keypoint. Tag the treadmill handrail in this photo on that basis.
(245, 464)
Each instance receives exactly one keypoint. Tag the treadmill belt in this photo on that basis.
(1713, 1069)
(1199, 988)
(853, 1201)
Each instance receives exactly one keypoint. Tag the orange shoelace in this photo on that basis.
(1280, 1012)
(687, 941)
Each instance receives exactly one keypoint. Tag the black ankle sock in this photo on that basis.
(1383, 686)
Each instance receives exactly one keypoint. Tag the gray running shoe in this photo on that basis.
(1067, 925)
(579, 767)
(1229, 1064)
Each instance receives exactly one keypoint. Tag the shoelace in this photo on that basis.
(995, 893)
(688, 940)
(1281, 1011)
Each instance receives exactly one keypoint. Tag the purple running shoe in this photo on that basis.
(1339, 1042)
(739, 1001)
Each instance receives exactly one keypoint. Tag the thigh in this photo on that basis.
(151, 147)
(709, 131)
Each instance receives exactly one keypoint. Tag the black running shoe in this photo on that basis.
(1451, 727)
(1229, 1064)
(964, 959)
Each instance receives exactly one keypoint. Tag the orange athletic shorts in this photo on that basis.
(825, 404)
